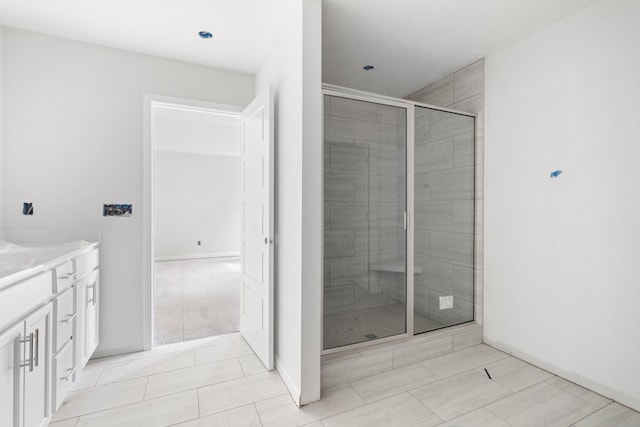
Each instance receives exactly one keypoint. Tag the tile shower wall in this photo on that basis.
(464, 91)
(364, 202)
(443, 217)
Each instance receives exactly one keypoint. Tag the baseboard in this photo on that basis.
(198, 256)
(625, 399)
(293, 389)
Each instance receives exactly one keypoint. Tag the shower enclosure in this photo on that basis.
(398, 218)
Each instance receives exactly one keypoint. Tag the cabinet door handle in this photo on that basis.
(69, 374)
(93, 293)
(68, 276)
(28, 363)
(37, 345)
(69, 318)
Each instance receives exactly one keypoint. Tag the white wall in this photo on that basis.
(1, 157)
(73, 115)
(561, 255)
(197, 198)
(293, 67)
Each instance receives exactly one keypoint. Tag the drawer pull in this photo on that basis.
(92, 300)
(68, 276)
(29, 363)
(69, 374)
(37, 346)
(69, 318)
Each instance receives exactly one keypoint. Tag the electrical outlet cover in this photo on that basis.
(446, 302)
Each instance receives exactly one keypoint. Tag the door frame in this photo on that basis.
(148, 241)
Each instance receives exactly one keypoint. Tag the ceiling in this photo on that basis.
(243, 30)
(410, 42)
(415, 42)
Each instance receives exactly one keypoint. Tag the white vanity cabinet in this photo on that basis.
(36, 367)
(87, 332)
(24, 371)
(48, 332)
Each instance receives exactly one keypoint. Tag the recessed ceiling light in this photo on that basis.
(205, 34)
(368, 67)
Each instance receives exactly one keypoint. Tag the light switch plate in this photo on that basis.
(446, 302)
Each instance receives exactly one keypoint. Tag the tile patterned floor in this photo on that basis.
(218, 381)
(196, 298)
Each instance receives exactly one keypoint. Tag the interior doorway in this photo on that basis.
(196, 178)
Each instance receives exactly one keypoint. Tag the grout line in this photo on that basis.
(120, 406)
(146, 384)
(198, 400)
(587, 416)
(255, 408)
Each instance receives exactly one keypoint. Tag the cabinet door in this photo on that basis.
(81, 309)
(91, 316)
(36, 367)
(10, 357)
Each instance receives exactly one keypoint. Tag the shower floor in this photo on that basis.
(370, 323)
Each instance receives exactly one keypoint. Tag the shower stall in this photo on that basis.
(398, 218)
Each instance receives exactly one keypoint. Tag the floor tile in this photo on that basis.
(100, 398)
(457, 362)
(71, 422)
(88, 378)
(342, 372)
(478, 418)
(251, 365)
(161, 412)
(192, 344)
(491, 351)
(146, 366)
(422, 351)
(223, 351)
(126, 357)
(581, 392)
(541, 406)
(459, 394)
(281, 411)
(244, 416)
(399, 410)
(192, 378)
(610, 416)
(231, 394)
(393, 382)
(515, 374)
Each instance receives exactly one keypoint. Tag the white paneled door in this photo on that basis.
(256, 310)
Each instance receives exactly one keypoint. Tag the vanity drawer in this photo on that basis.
(64, 313)
(63, 374)
(19, 299)
(63, 276)
(86, 263)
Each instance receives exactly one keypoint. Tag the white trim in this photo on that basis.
(286, 378)
(198, 256)
(148, 251)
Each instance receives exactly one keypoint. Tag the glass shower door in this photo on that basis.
(444, 219)
(365, 183)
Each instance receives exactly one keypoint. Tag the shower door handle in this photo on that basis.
(406, 220)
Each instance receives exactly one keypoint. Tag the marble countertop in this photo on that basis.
(20, 262)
